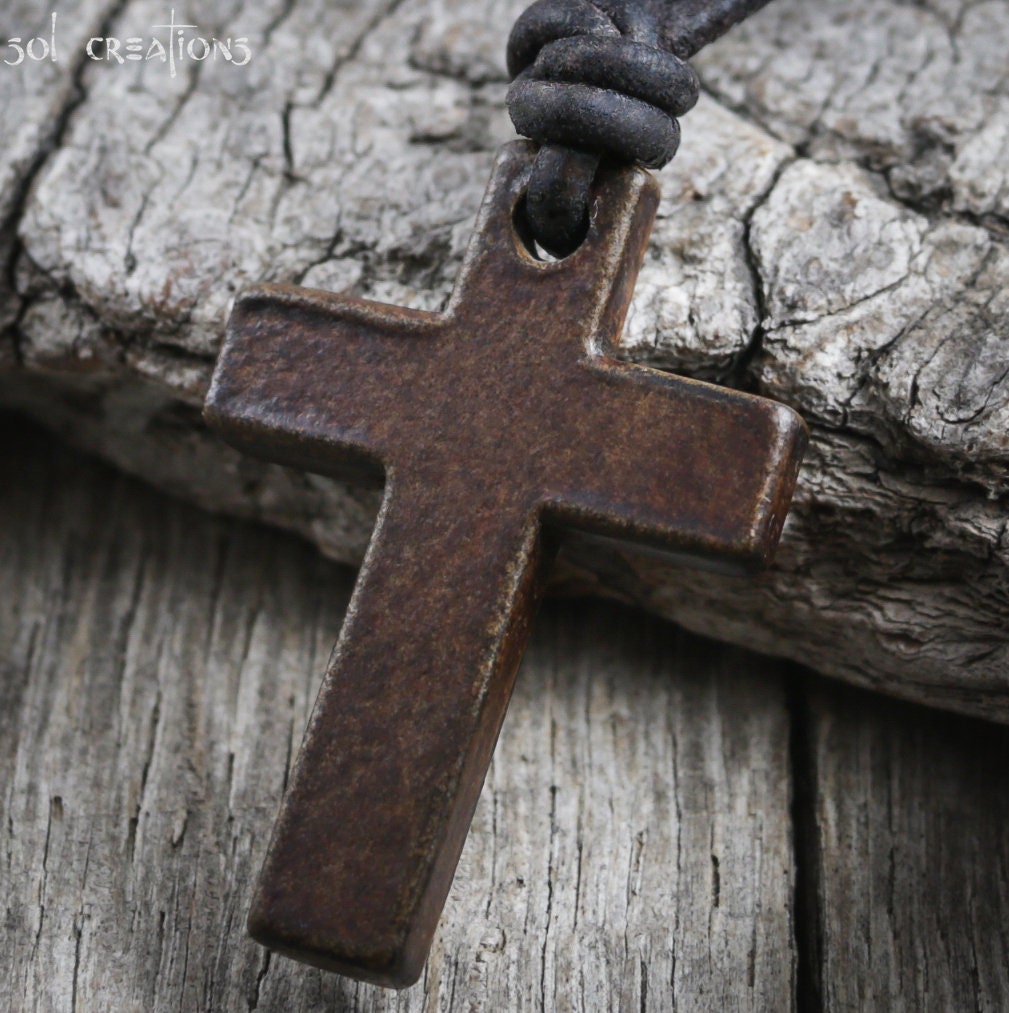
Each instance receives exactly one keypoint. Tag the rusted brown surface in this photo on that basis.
(495, 425)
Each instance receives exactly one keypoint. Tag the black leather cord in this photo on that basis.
(599, 79)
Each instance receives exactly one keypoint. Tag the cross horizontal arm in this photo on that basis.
(693, 469)
(305, 378)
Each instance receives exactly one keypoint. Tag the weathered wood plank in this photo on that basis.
(833, 233)
(905, 856)
(631, 848)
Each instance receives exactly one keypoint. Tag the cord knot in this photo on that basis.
(589, 84)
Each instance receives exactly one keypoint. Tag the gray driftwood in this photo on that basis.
(667, 824)
(833, 234)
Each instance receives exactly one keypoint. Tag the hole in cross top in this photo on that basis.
(548, 249)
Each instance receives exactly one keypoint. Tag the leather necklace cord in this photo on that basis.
(603, 79)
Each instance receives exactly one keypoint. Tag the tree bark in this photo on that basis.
(833, 234)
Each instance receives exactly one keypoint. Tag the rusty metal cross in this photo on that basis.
(495, 424)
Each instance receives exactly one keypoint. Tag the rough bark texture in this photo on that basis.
(667, 824)
(833, 234)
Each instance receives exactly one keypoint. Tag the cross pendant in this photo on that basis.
(495, 425)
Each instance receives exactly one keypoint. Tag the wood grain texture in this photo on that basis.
(833, 234)
(631, 848)
(664, 826)
(905, 855)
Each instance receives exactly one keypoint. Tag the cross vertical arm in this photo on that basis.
(399, 742)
